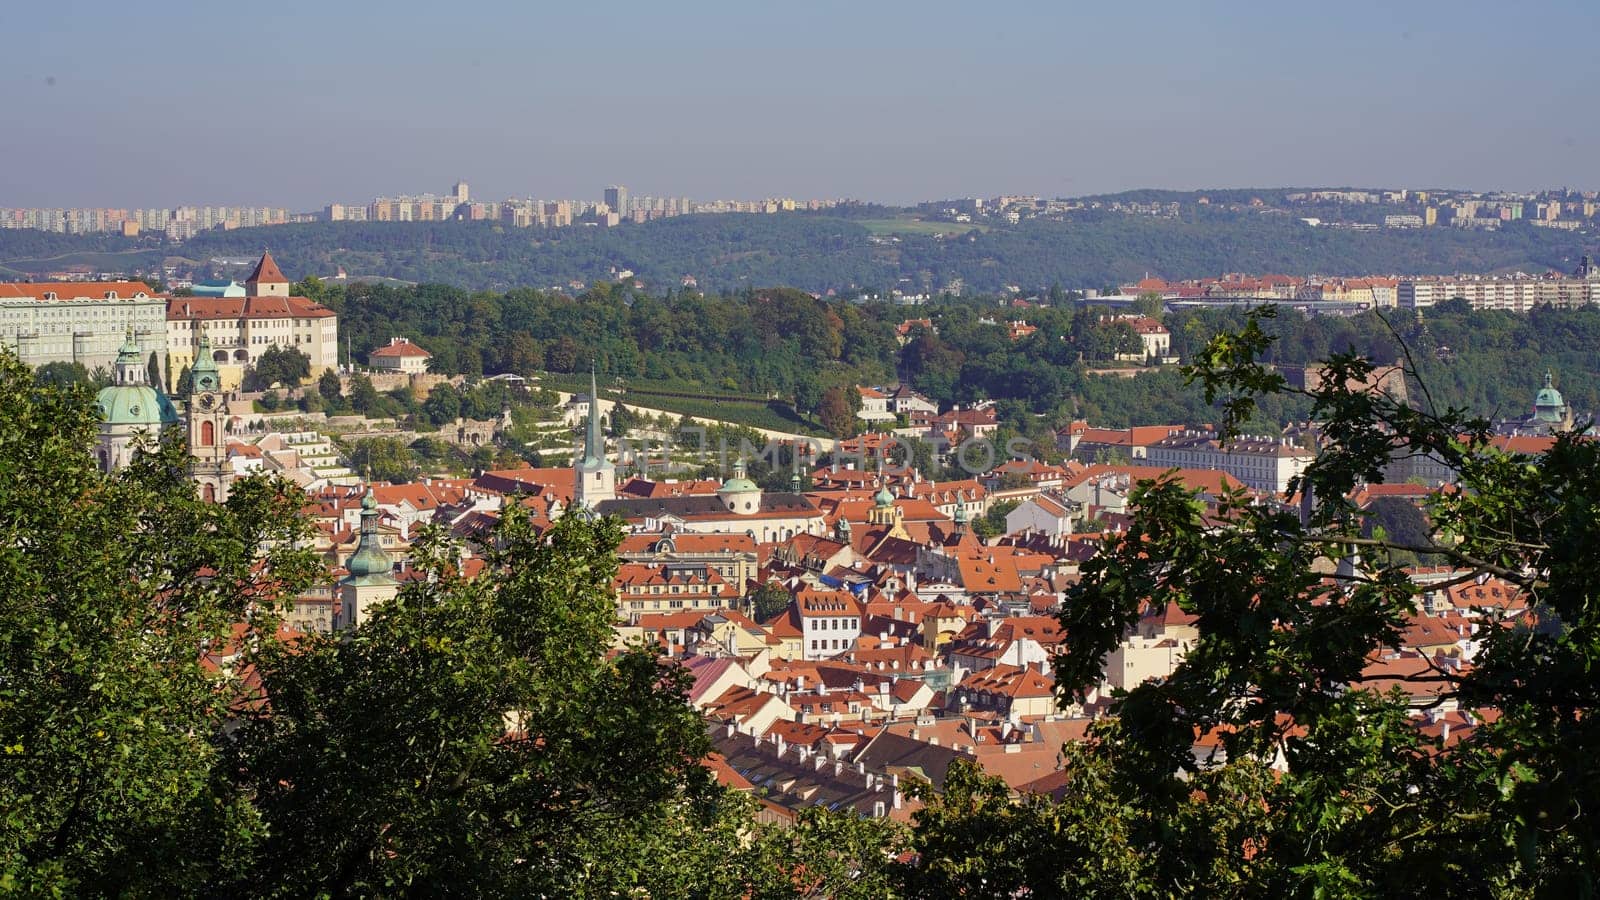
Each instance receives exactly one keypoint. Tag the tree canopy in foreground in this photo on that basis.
(1314, 784)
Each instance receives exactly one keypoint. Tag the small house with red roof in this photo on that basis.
(399, 356)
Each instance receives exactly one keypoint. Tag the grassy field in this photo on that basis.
(917, 226)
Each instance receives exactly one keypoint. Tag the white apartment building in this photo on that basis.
(1518, 293)
(1262, 464)
(874, 406)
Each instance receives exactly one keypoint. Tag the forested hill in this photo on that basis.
(821, 252)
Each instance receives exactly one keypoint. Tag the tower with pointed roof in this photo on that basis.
(267, 280)
(207, 419)
(132, 411)
(595, 479)
(371, 579)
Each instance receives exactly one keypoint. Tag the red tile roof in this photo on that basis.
(266, 271)
(75, 290)
(400, 347)
(182, 308)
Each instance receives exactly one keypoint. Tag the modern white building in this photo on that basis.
(1514, 293)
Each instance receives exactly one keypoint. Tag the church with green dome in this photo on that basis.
(133, 411)
(1551, 414)
(1549, 407)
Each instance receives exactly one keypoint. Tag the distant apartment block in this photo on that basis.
(1514, 293)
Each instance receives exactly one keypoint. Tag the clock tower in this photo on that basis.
(208, 419)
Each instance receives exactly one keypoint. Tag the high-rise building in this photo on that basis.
(617, 199)
(460, 192)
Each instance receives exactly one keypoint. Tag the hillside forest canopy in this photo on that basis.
(845, 249)
(787, 345)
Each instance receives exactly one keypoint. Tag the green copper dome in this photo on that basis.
(884, 497)
(739, 484)
(136, 404)
(370, 564)
(129, 401)
(1548, 404)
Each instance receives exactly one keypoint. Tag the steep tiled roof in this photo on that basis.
(266, 271)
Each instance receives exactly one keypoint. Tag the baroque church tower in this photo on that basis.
(133, 412)
(208, 416)
(371, 579)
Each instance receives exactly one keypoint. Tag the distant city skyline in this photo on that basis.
(170, 103)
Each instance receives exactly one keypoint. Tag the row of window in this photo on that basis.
(851, 623)
(676, 589)
(671, 604)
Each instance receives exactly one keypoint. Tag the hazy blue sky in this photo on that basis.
(297, 103)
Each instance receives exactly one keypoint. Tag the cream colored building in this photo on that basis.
(240, 329)
(399, 355)
(83, 322)
(1139, 659)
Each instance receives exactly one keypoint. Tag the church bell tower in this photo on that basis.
(208, 416)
